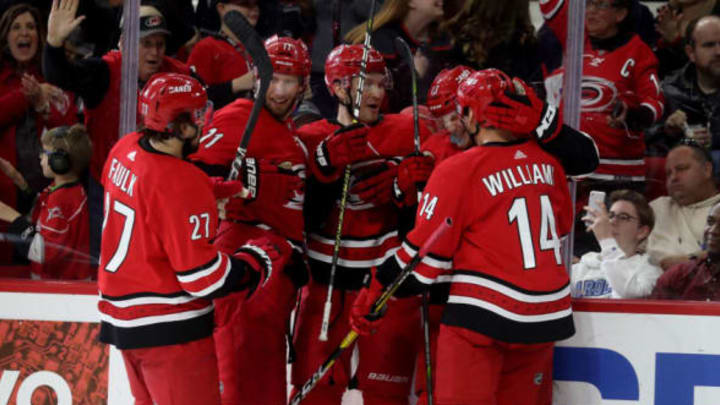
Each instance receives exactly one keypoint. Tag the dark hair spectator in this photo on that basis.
(27, 105)
(681, 215)
(498, 34)
(693, 99)
(673, 24)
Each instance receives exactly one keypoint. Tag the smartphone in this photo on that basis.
(596, 197)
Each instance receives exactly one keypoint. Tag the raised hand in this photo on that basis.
(62, 21)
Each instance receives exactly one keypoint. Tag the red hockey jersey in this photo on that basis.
(217, 60)
(627, 73)
(273, 141)
(509, 205)
(157, 264)
(370, 233)
(61, 217)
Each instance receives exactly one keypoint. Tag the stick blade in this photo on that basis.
(238, 24)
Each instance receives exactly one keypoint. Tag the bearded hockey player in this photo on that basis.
(158, 269)
(253, 332)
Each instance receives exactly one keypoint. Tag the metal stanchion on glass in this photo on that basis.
(129, 83)
(572, 85)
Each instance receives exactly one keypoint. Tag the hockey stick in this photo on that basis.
(425, 312)
(327, 309)
(407, 56)
(256, 48)
(376, 309)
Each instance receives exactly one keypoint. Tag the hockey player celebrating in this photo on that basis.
(383, 181)
(274, 171)
(158, 269)
(441, 102)
(515, 111)
(509, 292)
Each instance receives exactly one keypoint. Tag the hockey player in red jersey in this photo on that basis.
(509, 291)
(441, 103)
(158, 269)
(383, 182)
(253, 332)
(576, 152)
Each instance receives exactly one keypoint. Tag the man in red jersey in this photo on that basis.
(509, 291)
(383, 184)
(276, 162)
(158, 268)
(220, 59)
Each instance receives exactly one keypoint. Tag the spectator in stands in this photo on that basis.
(417, 22)
(498, 34)
(55, 237)
(179, 16)
(97, 81)
(698, 278)
(678, 232)
(639, 14)
(27, 106)
(219, 59)
(692, 93)
(621, 269)
(672, 21)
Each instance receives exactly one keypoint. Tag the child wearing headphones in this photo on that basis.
(54, 236)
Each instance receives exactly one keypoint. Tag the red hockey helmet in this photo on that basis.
(443, 91)
(345, 61)
(288, 56)
(482, 88)
(167, 95)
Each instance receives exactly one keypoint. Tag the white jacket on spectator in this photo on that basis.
(611, 274)
(678, 229)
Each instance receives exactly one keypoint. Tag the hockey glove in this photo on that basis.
(413, 172)
(265, 184)
(361, 319)
(226, 188)
(377, 188)
(523, 112)
(346, 145)
(261, 256)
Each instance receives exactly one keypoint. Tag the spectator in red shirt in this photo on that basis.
(220, 58)
(698, 279)
(55, 238)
